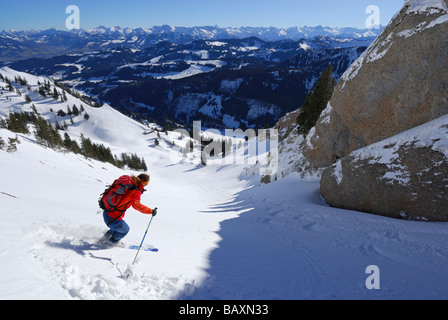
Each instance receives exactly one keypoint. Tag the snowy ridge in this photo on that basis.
(428, 7)
(59, 42)
(425, 6)
(100, 126)
(212, 33)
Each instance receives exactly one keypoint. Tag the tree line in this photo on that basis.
(49, 136)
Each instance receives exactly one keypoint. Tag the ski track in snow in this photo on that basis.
(70, 263)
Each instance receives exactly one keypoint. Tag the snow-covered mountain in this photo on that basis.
(220, 234)
(227, 83)
(16, 45)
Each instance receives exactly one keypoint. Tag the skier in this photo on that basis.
(114, 219)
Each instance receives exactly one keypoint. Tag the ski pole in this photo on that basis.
(141, 244)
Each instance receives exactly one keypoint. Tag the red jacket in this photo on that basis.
(131, 198)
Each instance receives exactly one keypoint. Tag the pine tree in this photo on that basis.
(18, 122)
(55, 137)
(42, 91)
(86, 146)
(55, 94)
(316, 101)
(70, 145)
(9, 84)
(33, 107)
(75, 110)
(3, 124)
(42, 133)
(47, 135)
(143, 166)
(12, 144)
(67, 143)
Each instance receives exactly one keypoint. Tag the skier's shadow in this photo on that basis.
(82, 248)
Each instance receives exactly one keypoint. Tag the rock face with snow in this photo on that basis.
(401, 81)
(385, 130)
(405, 176)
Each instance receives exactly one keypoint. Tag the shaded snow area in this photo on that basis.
(220, 234)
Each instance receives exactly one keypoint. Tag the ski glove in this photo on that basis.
(154, 212)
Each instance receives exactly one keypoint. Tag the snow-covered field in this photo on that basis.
(219, 233)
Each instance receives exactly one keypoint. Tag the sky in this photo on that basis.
(46, 14)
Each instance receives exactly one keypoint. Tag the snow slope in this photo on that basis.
(50, 249)
(219, 233)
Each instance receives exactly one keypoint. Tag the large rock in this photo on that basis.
(401, 81)
(405, 176)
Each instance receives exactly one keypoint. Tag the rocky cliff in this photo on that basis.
(384, 133)
(401, 81)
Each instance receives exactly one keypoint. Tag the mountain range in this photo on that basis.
(233, 82)
(17, 45)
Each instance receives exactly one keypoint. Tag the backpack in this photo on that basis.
(110, 199)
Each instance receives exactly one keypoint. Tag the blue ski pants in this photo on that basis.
(118, 228)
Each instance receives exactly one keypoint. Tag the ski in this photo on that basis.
(144, 248)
